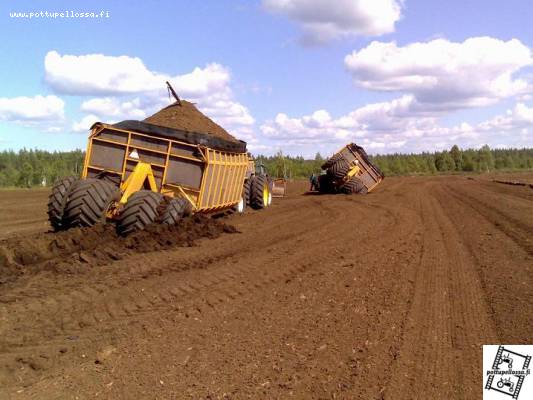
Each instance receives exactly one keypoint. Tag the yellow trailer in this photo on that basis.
(137, 173)
(349, 171)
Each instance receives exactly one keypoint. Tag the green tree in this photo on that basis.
(468, 163)
(457, 156)
(485, 159)
(26, 175)
(444, 162)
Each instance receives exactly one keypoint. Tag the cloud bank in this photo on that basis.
(432, 79)
(322, 20)
(127, 89)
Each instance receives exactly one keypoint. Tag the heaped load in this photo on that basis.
(176, 162)
(349, 171)
(184, 116)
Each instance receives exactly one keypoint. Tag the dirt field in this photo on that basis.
(385, 296)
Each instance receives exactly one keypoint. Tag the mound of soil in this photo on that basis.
(88, 247)
(187, 117)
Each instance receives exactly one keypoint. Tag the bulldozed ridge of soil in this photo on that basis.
(79, 249)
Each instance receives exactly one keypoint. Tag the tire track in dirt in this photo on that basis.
(503, 266)
(229, 282)
(315, 268)
(525, 193)
(82, 314)
(519, 230)
(318, 297)
(448, 320)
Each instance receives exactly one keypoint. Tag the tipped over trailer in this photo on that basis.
(349, 171)
(136, 173)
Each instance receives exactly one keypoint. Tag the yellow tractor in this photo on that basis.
(136, 174)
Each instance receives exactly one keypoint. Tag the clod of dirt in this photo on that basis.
(187, 117)
(30, 362)
(104, 354)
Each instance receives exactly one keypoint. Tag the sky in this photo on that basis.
(300, 76)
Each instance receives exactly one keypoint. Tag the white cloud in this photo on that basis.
(444, 75)
(130, 90)
(434, 79)
(86, 122)
(112, 107)
(227, 112)
(518, 118)
(325, 20)
(394, 127)
(31, 109)
(98, 74)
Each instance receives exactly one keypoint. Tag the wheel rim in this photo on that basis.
(269, 198)
(240, 205)
(265, 195)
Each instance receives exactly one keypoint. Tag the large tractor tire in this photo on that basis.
(89, 202)
(353, 185)
(58, 200)
(141, 210)
(259, 192)
(175, 210)
(332, 160)
(339, 169)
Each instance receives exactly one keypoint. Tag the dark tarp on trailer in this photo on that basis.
(183, 136)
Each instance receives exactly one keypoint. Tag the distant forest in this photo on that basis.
(453, 161)
(28, 168)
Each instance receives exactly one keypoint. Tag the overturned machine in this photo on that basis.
(349, 171)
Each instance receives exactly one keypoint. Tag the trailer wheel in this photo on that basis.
(89, 201)
(353, 185)
(334, 158)
(259, 192)
(339, 169)
(246, 189)
(176, 208)
(58, 200)
(141, 210)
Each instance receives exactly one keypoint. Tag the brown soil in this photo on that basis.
(188, 118)
(310, 300)
(84, 248)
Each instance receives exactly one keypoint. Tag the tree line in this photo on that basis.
(455, 160)
(28, 168)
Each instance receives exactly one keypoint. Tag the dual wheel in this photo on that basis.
(353, 185)
(146, 207)
(81, 203)
(77, 203)
(337, 168)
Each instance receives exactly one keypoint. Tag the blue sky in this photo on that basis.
(297, 75)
